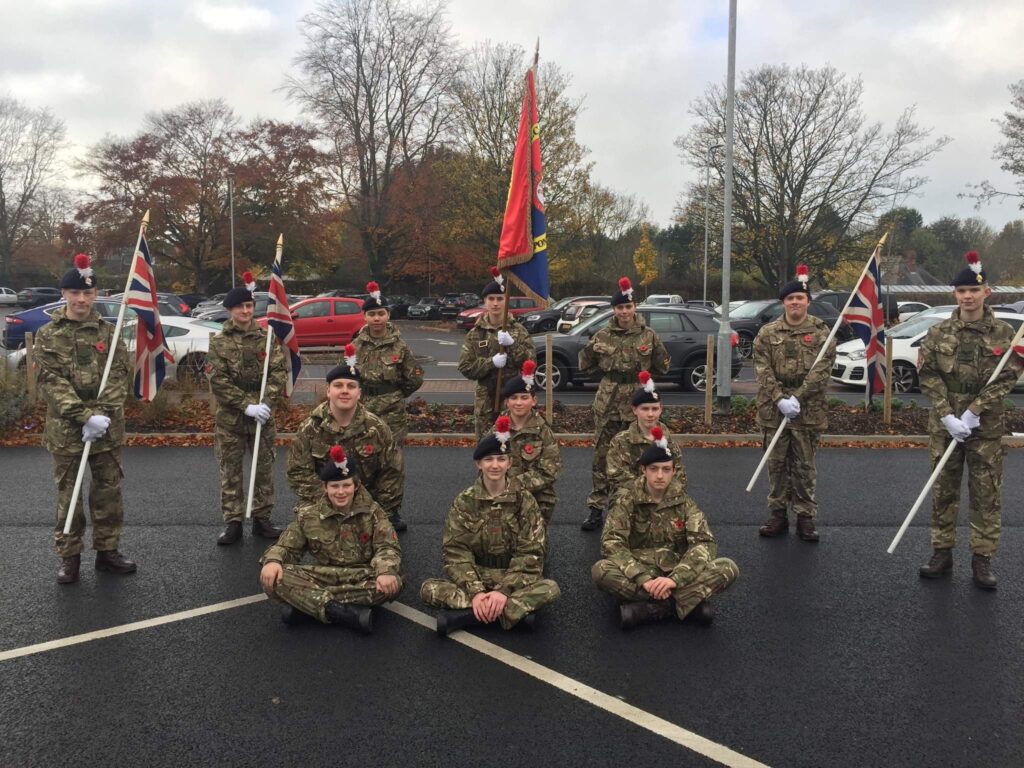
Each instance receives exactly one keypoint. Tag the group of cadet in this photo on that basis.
(345, 465)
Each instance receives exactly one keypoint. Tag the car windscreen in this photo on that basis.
(749, 310)
(914, 327)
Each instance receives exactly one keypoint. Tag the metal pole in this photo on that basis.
(725, 332)
(707, 195)
(231, 209)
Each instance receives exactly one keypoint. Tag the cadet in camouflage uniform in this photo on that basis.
(488, 348)
(493, 548)
(789, 387)
(234, 366)
(358, 558)
(659, 554)
(342, 420)
(627, 447)
(71, 352)
(618, 352)
(388, 369)
(536, 457)
(957, 358)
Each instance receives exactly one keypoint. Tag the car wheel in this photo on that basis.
(695, 376)
(745, 345)
(904, 378)
(559, 374)
(193, 367)
(545, 326)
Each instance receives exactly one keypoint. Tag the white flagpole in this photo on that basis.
(263, 392)
(949, 449)
(106, 374)
(821, 354)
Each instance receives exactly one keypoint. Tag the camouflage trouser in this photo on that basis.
(442, 593)
(715, 577)
(105, 506)
(547, 509)
(484, 413)
(791, 471)
(230, 447)
(984, 457)
(392, 409)
(606, 430)
(311, 587)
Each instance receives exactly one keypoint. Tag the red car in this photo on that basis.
(518, 305)
(326, 321)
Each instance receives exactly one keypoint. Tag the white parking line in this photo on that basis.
(447, 365)
(444, 343)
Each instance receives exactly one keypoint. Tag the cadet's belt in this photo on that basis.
(962, 388)
(790, 383)
(617, 377)
(381, 388)
(493, 561)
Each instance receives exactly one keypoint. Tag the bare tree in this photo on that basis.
(811, 173)
(29, 142)
(377, 77)
(1010, 152)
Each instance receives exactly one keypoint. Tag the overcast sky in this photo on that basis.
(100, 65)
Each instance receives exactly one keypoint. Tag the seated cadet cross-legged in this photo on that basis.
(358, 558)
(492, 549)
(659, 554)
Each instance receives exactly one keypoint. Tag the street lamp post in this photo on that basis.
(724, 373)
(231, 215)
(707, 194)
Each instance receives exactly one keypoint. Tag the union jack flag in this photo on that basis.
(280, 318)
(867, 319)
(151, 352)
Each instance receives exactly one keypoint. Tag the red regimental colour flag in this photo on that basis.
(280, 318)
(867, 319)
(150, 349)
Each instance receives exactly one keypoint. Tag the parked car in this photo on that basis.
(34, 297)
(705, 303)
(427, 308)
(684, 332)
(193, 299)
(849, 367)
(453, 303)
(748, 318)
(326, 321)
(517, 306)
(398, 305)
(656, 299)
(837, 300)
(219, 313)
(544, 320)
(8, 297)
(208, 305)
(579, 311)
(907, 309)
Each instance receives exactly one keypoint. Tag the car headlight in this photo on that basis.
(532, 318)
(857, 354)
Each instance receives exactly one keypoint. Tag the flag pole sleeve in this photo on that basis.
(949, 449)
(73, 503)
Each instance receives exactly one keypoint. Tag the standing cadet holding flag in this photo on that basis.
(235, 368)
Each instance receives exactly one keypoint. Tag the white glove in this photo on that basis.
(95, 427)
(970, 420)
(505, 339)
(794, 403)
(499, 360)
(956, 428)
(259, 411)
(787, 409)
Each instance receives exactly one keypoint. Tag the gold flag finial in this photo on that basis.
(280, 240)
(145, 218)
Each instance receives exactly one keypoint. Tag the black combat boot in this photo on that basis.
(231, 534)
(67, 571)
(981, 565)
(265, 527)
(593, 521)
(114, 562)
(291, 615)
(941, 564)
(397, 522)
(528, 622)
(776, 525)
(635, 614)
(359, 617)
(449, 621)
(703, 614)
(805, 528)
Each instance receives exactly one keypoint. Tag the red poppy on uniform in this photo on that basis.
(209, 368)
(394, 358)
(678, 523)
(528, 448)
(262, 354)
(368, 448)
(643, 347)
(363, 538)
(808, 338)
(997, 351)
(101, 347)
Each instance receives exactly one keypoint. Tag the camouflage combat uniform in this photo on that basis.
(70, 356)
(475, 363)
(618, 355)
(351, 549)
(783, 356)
(389, 374)
(956, 360)
(381, 466)
(536, 462)
(624, 456)
(235, 368)
(493, 543)
(644, 539)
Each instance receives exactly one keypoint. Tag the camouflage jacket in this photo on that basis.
(235, 367)
(504, 532)
(619, 355)
(381, 466)
(783, 356)
(624, 455)
(536, 460)
(388, 370)
(481, 345)
(648, 539)
(362, 536)
(70, 356)
(956, 360)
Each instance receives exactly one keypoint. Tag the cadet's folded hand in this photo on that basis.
(500, 360)
(659, 588)
(795, 403)
(270, 576)
(970, 420)
(956, 428)
(787, 409)
(95, 427)
(387, 586)
(505, 339)
(258, 411)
